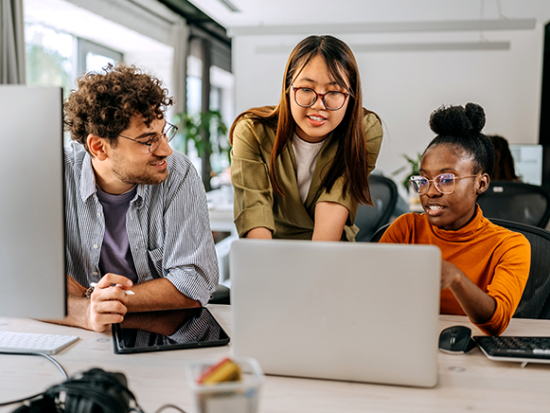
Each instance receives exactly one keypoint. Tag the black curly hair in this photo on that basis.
(461, 127)
(105, 102)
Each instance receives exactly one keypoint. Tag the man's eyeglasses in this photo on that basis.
(444, 183)
(306, 97)
(169, 132)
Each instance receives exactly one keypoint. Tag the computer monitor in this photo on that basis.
(32, 225)
(528, 163)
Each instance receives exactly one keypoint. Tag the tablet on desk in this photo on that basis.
(168, 330)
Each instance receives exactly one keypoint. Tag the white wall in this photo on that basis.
(405, 87)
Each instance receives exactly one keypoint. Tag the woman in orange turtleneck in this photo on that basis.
(485, 267)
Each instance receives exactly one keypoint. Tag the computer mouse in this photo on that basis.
(456, 339)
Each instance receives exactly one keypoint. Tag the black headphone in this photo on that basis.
(94, 391)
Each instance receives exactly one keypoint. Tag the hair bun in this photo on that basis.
(458, 120)
(476, 115)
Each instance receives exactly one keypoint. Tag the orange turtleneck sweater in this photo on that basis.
(497, 260)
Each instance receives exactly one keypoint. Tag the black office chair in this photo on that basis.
(535, 301)
(220, 296)
(369, 218)
(379, 232)
(517, 202)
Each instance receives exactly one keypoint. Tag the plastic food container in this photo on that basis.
(227, 397)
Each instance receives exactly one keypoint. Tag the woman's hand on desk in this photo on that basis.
(450, 274)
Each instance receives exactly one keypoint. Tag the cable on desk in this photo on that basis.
(59, 366)
(169, 406)
(21, 400)
(84, 393)
(54, 361)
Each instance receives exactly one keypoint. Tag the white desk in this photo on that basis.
(466, 382)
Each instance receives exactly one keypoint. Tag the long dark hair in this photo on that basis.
(504, 169)
(350, 160)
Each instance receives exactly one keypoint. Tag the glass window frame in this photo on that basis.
(85, 46)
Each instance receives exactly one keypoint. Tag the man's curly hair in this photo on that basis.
(105, 102)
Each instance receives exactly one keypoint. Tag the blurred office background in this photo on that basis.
(229, 55)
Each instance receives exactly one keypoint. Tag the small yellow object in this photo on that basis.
(225, 370)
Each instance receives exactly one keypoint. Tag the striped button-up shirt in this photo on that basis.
(168, 227)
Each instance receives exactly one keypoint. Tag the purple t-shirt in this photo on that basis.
(116, 256)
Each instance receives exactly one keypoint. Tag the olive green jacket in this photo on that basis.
(286, 216)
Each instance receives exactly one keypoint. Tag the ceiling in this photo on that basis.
(296, 12)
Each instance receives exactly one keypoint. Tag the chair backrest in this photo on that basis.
(379, 232)
(535, 301)
(384, 197)
(517, 202)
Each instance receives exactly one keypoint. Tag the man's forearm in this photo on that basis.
(78, 313)
(153, 295)
(159, 294)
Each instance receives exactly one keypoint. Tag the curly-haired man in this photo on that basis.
(136, 213)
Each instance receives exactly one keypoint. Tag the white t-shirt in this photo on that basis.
(306, 158)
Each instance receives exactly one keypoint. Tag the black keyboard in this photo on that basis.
(536, 348)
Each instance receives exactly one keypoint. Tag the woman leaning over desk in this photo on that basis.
(299, 169)
(485, 267)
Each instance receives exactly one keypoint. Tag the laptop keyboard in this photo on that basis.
(518, 347)
(34, 343)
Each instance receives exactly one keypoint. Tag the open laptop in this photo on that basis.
(361, 312)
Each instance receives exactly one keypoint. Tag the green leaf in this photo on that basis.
(413, 167)
(192, 128)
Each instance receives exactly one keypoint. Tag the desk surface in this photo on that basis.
(466, 382)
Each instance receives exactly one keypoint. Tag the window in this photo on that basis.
(221, 99)
(49, 57)
(219, 159)
(93, 56)
(194, 85)
(55, 58)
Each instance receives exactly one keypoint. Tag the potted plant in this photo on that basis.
(208, 133)
(413, 168)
